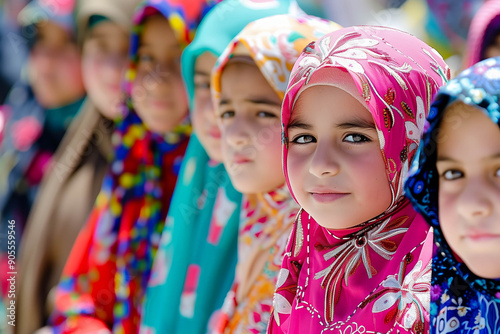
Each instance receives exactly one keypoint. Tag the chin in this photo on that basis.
(245, 187)
(486, 267)
(213, 149)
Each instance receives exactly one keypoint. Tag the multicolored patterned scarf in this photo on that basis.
(461, 302)
(373, 277)
(198, 245)
(106, 275)
(273, 43)
(484, 29)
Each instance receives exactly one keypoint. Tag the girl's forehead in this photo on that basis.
(254, 88)
(331, 104)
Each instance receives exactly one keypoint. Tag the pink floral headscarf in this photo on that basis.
(374, 276)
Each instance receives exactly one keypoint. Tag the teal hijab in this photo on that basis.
(196, 259)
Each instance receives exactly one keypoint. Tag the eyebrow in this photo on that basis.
(448, 159)
(356, 123)
(298, 124)
(263, 100)
(198, 72)
(445, 159)
(257, 100)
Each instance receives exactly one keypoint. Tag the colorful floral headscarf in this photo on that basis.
(484, 28)
(460, 300)
(374, 276)
(106, 275)
(273, 43)
(198, 245)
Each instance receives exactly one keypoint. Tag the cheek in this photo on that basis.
(138, 91)
(447, 217)
(71, 67)
(197, 121)
(91, 75)
(368, 173)
(224, 144)
(203, 113)
(297, 170)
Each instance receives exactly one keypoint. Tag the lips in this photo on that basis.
(160, 104)
(241, 159)
(324, 195)
(481, 236)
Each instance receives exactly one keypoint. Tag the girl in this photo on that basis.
(455, 187)
(104, 280)
(483, 38)
(41, 109)
(198, 246)
(248, 111)
(358, 259)
(67, 195)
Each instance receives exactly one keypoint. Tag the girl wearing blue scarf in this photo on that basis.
(455, 186)
(197, 256)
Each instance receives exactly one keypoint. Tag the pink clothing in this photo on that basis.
(373, 277)
(484, 25)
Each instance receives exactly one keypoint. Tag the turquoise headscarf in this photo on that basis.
(196, 260)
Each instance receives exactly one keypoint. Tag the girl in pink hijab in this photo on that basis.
(358, 258)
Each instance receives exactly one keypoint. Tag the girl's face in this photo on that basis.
(468, 163)
(335, 165)
(204, 120)
(249, 117)
(158, 92)
(104, 59)
(55, 67)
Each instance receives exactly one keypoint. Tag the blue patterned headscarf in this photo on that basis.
(461, 302)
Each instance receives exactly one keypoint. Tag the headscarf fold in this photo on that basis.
(106, 275)
(483, 30)
(374, 276)
(198, 244)
(273, 43)
(460, 300)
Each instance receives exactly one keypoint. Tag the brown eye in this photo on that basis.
(227, 114)
(304, 139)
(356, 138)
(265, 114)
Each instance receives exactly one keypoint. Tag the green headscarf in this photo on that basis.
(196, 260)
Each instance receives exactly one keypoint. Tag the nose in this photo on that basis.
(114, 68)
(237, 133)
(475, 200)
(323, 162)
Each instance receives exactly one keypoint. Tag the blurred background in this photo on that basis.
(443, 24)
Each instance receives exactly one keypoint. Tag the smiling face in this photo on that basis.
(104, 59)
(203, 117)
(249, 117)
(158, 92)
(334, 163)
(468, 164)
